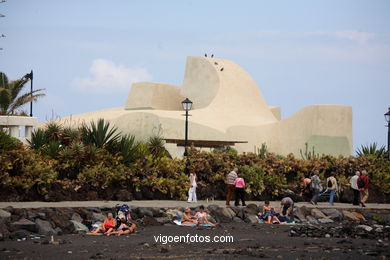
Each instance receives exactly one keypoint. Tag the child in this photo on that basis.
(239, 185)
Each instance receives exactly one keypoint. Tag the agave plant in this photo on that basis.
(371, 149)
(53, 131)
(38, 139)
(156, 146)
(127, 147)
(100, 134)
(10, 97)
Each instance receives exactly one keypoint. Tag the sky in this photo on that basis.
(86, 54)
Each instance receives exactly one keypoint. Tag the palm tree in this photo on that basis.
(10, 97)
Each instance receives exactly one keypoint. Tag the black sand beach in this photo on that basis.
(250, 241)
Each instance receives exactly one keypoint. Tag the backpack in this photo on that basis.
(122, 211)
(361, 183)
(329, 183)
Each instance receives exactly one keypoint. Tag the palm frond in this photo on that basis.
(3, 80)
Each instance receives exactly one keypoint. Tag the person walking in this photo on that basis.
(331, 184)
(239, 185)
(363, 182)
(315, 186)
(230, 178)
(355, 188)
(192, 190)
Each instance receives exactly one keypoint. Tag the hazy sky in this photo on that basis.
(87, 53)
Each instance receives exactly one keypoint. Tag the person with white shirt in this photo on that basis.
(192, 190)
(354, 186)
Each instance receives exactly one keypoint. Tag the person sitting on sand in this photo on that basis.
(126, 227)
(187, 218)
(268, 215)
(107, 226)
(201, 217)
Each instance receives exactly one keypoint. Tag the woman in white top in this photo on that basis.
(201, 216)
(192, 190)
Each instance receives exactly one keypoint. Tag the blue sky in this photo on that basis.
(87, 53)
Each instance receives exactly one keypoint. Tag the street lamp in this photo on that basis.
(187, 105)
(387, 117)
(30, 77)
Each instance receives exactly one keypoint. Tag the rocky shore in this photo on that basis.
(21, 223)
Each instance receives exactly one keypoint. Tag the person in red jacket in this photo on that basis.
(363, 182)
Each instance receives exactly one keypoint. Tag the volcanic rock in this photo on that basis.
(24, 224)
(317, 213)
(44, 227)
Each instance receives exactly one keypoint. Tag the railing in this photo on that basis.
(12, 125)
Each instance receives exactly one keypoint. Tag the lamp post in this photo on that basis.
(187, 105)
(387, 117)
(30, 77)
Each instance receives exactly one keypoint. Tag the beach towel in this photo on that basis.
(177, 222)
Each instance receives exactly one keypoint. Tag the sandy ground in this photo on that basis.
(250, 241)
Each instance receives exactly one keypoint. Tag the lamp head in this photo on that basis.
(187, 104)
(387, 116)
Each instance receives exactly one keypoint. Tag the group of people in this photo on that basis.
(235, 183)
(358, 183)
(111, 226)
(200, 217)
(285, 214)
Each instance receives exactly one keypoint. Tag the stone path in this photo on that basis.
(172, 204)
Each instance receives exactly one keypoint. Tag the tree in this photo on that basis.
(11, 98)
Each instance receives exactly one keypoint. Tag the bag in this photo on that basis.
(329, 183)
(361, 183)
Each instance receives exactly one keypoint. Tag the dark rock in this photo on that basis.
(79, 227)
(76, 217)
(237, 220)
(41, 215)
(150, 221)
(5, 214)
(97, 217)
(44, 227)
(311, 220)
(61, 219)
(317, 213)
(144, 212)
(18, 214)
(163, 220)
(302, 212)
(4, 232)
(156, 212)
(24, 224)
(20, 234)
(211, 218)
(349, 216)
(333, 214)
(251, 209)
(325, 220)
(212, 207)
(223, 215)
(251, 219)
